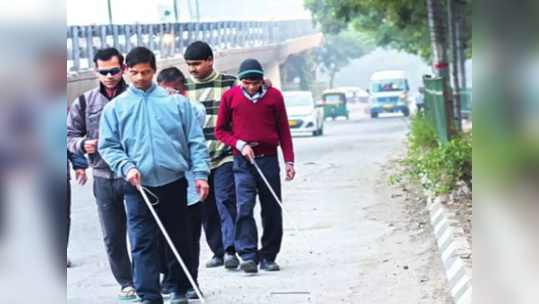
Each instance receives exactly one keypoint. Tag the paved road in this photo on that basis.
(366, 251)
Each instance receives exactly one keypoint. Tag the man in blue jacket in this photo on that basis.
(152, 139)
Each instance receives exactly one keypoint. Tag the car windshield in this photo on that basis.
(333, 98)
(388, 86)
(297, 101)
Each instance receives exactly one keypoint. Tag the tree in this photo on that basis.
(299, 67)
(399, 24)
(337, 51)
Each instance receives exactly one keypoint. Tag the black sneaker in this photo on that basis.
(192, 295)
(215, 262)
(166, 291)
(144, 301)
(249, 266)
(269, 266)
(231, 261)
(177, 298)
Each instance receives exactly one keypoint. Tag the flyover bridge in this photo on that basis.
(271, 42)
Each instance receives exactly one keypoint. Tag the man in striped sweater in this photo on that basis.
(208, 86)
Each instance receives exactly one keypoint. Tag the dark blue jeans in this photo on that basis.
(248, 185)
(225, 196)
(109, 194)
(145, 238)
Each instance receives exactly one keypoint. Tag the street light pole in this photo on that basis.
(110, 11)
(198, 10)
(176, 15)
(441, 63)
(461, 44)
(452, 17)
(438, 38)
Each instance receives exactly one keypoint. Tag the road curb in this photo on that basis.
(455, 250)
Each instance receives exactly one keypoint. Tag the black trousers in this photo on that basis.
(249, 184)
(196, 215)
(145, 235)
(212, 219)
(109, 194)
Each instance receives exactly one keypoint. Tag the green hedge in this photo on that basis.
(436, 166)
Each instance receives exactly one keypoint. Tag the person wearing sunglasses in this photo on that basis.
(83, 125)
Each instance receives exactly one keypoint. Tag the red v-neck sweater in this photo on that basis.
(265, 123)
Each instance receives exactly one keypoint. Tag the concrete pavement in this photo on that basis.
(367, 249)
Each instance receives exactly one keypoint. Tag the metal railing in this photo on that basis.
(466, 103)
(170, 40)
(436, 108)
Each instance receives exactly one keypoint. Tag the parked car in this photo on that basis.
(304, 115)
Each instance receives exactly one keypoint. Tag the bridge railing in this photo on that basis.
(170, 40)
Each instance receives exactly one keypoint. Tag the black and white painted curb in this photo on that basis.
(455, 250)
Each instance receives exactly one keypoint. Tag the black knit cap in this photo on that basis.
(251, 69)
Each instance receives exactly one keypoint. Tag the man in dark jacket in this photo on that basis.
(79, 164)
(82, 138)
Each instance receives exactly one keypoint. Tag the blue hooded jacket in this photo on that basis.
(156, 133)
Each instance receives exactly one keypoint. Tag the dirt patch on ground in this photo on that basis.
(414, 218)
(462, 206)
(460, 202)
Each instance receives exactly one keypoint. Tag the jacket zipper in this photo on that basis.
(151, 137)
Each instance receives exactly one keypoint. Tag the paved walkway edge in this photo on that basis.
(455, 250)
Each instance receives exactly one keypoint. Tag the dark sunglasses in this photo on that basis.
(113, 71)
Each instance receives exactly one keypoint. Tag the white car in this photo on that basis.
(303, 114)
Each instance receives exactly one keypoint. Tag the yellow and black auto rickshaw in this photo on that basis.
(335, 104)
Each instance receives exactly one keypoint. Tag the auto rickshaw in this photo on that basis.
(335, 104)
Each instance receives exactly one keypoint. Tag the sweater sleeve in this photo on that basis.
(77, 161)
(223, 128)
(283, 128)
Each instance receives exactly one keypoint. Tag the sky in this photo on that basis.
(84, 12)
(31, 11)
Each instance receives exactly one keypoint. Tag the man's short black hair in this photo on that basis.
(198, 50)
(140, 55)
(107, 54)
(170, 75)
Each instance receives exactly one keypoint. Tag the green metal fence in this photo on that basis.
(466, 103)
(435, 106)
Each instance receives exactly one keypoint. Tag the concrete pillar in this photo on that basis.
(273, 73)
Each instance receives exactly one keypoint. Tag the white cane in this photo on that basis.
(171, 244)
(282, 206)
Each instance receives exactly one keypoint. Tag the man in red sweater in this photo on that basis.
(253, 120)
